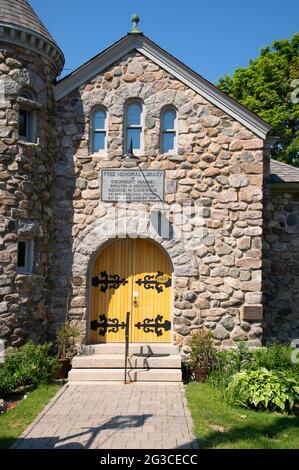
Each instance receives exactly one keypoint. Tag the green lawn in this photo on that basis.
(219, 426)
(13, 423)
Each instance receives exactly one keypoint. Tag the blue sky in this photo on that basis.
(212, 37)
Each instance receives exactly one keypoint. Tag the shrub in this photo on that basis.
(31, 364)
(229, 362)
(275, 357)
(263, 389)
(67, 336)
(202, 349)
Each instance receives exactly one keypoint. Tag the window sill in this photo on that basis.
(138, 153)
(99, 154)
(170, 154)
(25, 273)
(28, 143)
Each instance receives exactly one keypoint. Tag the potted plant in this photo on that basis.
(202, 353)
(67, 336)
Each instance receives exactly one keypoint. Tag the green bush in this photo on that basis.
(263, 389)
(30, 364)
(67, 336)
(202, 349)
(275, 357)
(229, 362)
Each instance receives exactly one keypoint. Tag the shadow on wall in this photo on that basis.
(66, 197)
(281, 267)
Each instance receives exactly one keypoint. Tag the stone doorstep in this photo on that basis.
(110, 361)
(134, 375)
(119, 348)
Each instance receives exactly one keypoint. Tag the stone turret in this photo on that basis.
(30, 62)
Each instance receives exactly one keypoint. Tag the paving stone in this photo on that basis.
(103, 417)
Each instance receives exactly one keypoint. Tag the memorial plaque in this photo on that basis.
(132, 185)
(252, 312)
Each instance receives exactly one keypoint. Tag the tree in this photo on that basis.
(269, 87)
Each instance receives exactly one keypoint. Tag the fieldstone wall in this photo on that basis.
(281, 266)
(219, 163)
(26, 176)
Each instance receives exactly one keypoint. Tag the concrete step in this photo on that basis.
(110, 361)
(144, 348)
(134, 375)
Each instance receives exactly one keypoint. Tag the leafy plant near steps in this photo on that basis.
(67, 336)
(229, 362)
(202, 349)
(263, 389)
(30, 364)
(274, 357)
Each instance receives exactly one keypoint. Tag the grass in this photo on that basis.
(14, 422)
(220, 426)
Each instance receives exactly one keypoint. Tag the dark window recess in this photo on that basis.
(21, 254)
(23, 123)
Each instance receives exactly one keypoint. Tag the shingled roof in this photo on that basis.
(20, 25)
(283, 173)
(20, 13)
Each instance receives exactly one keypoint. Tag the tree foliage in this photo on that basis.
(269, 87)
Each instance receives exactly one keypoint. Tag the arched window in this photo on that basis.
(134, 125)
(99, 131)
(168, 130)
(26, 117)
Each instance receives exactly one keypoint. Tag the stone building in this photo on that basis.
(206, 235)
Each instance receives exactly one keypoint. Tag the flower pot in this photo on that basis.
(64, 366)
(200, 373)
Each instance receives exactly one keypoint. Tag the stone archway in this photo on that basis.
(94, 238)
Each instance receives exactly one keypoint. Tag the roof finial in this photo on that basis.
(135, 20)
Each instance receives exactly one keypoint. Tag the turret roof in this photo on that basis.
(20, 13)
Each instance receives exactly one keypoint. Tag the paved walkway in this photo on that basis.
(113, 416)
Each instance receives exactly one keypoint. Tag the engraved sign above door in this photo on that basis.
(133, 185)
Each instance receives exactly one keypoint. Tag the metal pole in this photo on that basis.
(127, 333)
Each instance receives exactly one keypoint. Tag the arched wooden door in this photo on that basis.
(131, 275)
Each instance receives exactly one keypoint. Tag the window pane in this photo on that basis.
(135, 135)
(168, 120)
(23, 121)
(99, 120)
(168, 141)
(99, 141)
(134, 115)
(21, 254)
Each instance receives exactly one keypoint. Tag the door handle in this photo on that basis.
(135, 298)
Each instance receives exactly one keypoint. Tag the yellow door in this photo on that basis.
(151, 294)
(131, 275)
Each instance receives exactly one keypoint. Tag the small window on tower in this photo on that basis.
(24, 124)
(26, 119)
(25, 256)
